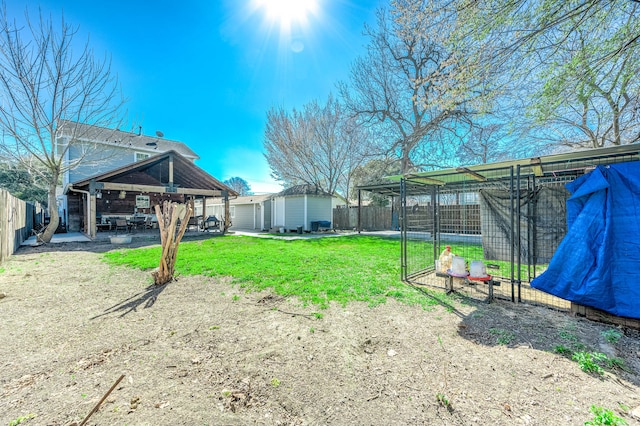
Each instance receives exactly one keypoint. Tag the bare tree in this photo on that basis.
(413, 85)
(591, 102)
(319, 145)
(574, 64)
(374, 171)
(239, 185)
(520, 25)
(44, 81)
(485, 143)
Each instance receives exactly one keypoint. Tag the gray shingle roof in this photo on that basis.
(96, 134)
(305, 189)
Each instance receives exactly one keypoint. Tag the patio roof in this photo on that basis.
(166, 172)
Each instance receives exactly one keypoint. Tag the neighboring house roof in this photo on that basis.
(96, 134)
(246, 199)
(305, 189)
(250, 199)
(153, 174)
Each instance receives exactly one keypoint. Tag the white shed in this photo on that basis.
(246, 212)
(300, 206)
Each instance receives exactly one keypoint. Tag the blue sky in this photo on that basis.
(206, 72)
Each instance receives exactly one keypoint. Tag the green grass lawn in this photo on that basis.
(318, 270)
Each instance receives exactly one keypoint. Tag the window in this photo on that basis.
(232, 211)
(139, 156)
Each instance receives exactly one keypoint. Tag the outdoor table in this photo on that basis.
(103, 226)
(135, 222)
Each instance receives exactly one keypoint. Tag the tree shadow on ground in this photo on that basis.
(146, 299)
(518, 325)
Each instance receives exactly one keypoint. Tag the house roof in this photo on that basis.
(153, 175)
(115, 137)
(304, 189)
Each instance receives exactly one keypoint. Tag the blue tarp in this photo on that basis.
(597, 263)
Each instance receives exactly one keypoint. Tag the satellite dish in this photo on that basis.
(159, 134)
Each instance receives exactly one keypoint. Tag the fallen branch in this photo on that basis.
(310, 316)
(102, 400)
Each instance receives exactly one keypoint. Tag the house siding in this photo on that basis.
(99, 161)
(279, 204)
(295, 212)
(243, 217)
(319, 208)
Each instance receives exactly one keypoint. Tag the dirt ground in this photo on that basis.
(201, 351)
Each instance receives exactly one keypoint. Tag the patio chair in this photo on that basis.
(103, 224)
(137, 222)
(148, 223)
(192, 224)
(121, 224)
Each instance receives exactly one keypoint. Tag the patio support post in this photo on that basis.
(92, 215)
(204, 211)
(227, 219)
(171, 171)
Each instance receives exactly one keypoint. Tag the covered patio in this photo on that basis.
(123, 199)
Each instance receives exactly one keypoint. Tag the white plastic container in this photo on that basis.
(458, 265)
(124, 239)
(477, 269)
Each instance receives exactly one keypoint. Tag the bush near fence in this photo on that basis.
(17, 219)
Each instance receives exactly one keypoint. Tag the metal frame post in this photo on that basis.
(518, 233)
(512, 237)
(403, 229)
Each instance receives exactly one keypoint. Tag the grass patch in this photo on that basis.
(318, 271)
(503, 337)
(611, 336)
(602, 416)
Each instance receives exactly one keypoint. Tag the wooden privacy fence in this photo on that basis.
(372, 218)
(454, 219)
(16, 222)
(419, 218)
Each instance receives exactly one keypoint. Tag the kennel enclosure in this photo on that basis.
(511, 215)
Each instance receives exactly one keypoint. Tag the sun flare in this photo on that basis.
(288, 12)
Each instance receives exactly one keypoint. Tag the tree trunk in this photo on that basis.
(167, 222)
(54, 218)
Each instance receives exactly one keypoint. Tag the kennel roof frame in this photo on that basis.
(549, 166)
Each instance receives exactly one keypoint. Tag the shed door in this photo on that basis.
(266, 211)
(279, 215)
